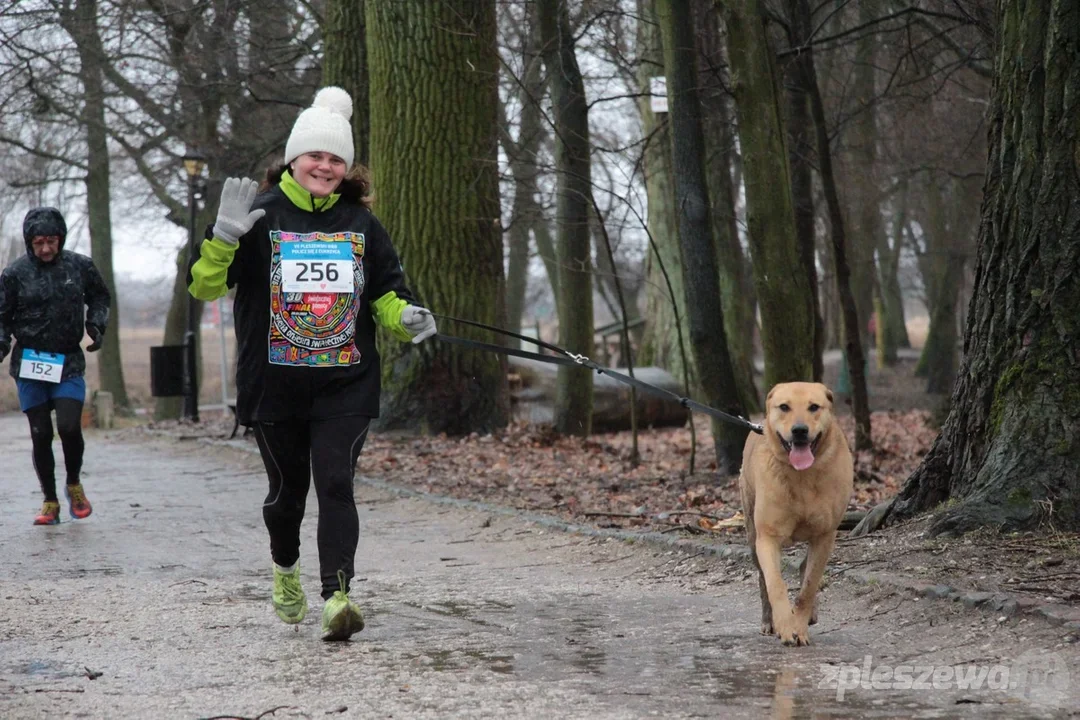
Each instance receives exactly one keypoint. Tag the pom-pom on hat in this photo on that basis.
(323, 127)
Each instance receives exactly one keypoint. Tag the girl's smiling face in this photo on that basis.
(319, 173)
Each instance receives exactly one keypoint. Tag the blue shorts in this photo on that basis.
(38, 392)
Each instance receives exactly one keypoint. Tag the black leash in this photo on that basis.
(565, 357)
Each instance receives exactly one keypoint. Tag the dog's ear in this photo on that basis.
(828, 395)
(769, 397)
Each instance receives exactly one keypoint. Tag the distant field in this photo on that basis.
(135, 350)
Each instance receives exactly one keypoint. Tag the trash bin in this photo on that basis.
(167, 371)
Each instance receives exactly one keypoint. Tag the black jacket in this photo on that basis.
(308, 356)
(48, 306)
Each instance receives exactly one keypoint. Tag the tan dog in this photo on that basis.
(795, 482)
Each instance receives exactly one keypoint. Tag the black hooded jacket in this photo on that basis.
(48, 306)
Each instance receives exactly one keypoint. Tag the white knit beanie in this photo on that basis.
(323, 127)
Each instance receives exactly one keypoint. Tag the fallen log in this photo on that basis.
(533, 397)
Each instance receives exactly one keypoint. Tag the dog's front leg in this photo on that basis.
(785, 624)
(802, 575)
(817, 556)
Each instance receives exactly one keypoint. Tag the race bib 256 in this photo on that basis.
(317, 267)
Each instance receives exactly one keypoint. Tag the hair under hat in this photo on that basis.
(323, 127)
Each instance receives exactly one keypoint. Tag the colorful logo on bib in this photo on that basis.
(314, 329)
(320, 303)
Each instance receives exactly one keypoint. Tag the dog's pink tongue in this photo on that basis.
(801, 457)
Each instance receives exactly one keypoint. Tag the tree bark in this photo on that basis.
(736, 284)
(852, 337)
(800, 131)
(864, 197)
(660, 344)
(81, 24)
(1008, 452)
(345, 64)
(573, 407)
(433, 98)
(784, 300)
(700, 271)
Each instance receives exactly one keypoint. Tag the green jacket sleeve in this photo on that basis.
(208, 277)
(387, 311)
(388, 287)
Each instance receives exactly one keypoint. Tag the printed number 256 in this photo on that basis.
(319, 271)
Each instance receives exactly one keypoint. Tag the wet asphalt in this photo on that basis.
(158, 606)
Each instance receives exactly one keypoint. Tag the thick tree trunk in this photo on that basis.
(853, 350)
(437, 188)
(1008, 452)
(700, 271)
(573, 410)
(736, 276)
(784, 299)
(82, 25)
(736, 283)
(800, 131)
(345, 64)
(660, 344)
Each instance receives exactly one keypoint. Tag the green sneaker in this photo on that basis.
(340, 616)
(290, 604)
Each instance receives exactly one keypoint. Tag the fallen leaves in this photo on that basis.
(593, 479)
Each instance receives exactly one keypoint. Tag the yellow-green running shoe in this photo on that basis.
(290, 604)
(340, 616)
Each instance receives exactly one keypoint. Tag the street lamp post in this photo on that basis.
(193, 164)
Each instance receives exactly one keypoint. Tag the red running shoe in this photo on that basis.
(50, 514)
(79, 505)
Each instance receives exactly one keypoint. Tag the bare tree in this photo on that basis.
(853, 348)
(81, 22)
(573, 403)
(700, 271)
(526, 218)
(1008, 451)
(785, 302)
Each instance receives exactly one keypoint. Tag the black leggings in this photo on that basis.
(69, 425)
(294, 451)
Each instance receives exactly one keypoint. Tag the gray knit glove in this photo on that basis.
(418, 322)
(235, 216)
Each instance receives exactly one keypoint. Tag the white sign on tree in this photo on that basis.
(658, 94)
